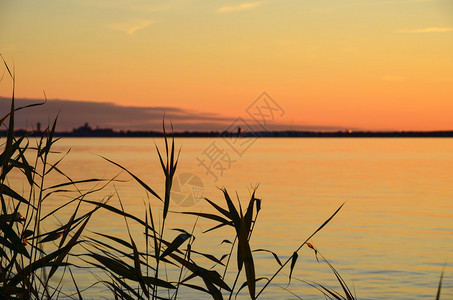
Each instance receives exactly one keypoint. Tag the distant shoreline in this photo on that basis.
(97, 133)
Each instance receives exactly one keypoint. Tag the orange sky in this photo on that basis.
(354, 64)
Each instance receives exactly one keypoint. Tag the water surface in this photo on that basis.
(389, 241)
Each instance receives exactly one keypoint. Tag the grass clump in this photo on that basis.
(33, 254)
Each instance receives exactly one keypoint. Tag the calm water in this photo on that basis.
(390, 240)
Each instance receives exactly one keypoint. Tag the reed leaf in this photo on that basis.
(74, 183)
(269, 251)
(117, 211)
(15, 243)
(178, 241)
(6, 190)
(211, 276)
(234, 213)
(137, 268)
(293, 264)
(35, 265)
(116, 239)
(144, 185)
(245, 257)
(119, 292)
(211, 257)
(218, 226)
(195, 287)
(208, 216)
(246, 284)
(52, 236)
(219, 209)
(127, 287)
(71, 243)
(115, 266)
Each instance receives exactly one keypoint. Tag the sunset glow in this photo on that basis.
(369, 65)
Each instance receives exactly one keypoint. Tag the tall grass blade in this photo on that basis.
(439, 287)
(245, 258)
(75, 284)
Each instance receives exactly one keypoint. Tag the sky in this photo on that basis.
(362, 65)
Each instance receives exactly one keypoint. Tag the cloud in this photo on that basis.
(73, 114)
(427, 30)
(239, 7)
(132, 26)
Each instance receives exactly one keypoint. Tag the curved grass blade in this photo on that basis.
(220, 209)
(116, 239)
(293, 264)
(136, 178)
(207, 216)
(246, 284)
(75, 182)
(211, 257)
(273, 253)
(117, 211)
(218, 226)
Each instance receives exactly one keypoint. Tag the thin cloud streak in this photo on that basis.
(427, 30)
(132, 26)
(239, 7)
